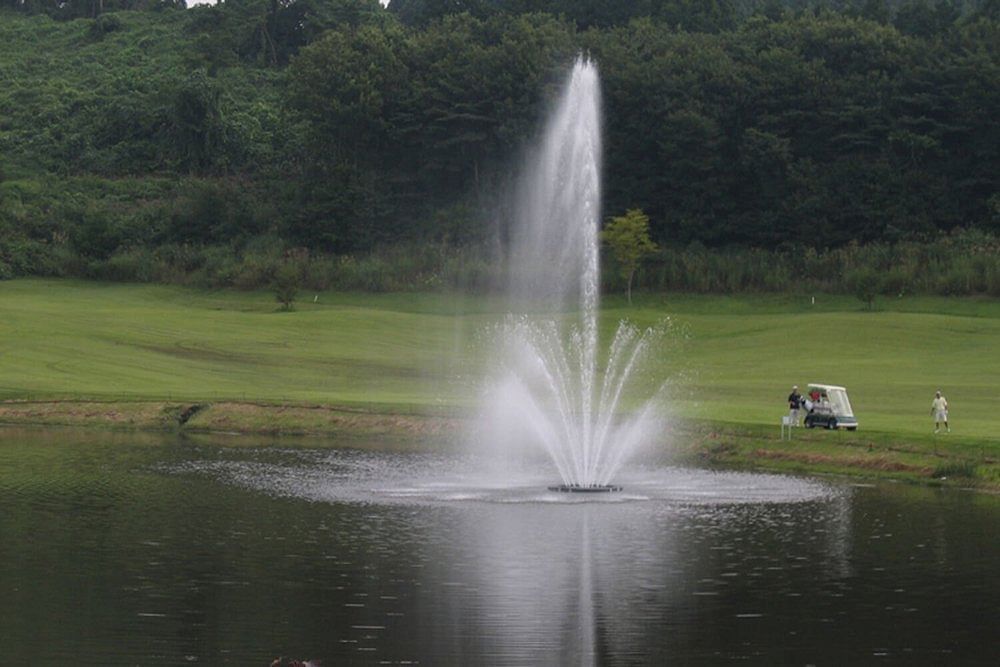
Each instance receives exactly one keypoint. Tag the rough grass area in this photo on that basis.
(232, 417)
(965, 462)
(121, 414)
(319, 420)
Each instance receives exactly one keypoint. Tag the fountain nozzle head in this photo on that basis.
(592, 488)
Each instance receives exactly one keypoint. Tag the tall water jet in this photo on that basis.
(548, 390)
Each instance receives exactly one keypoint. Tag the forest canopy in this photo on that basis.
(141, 128)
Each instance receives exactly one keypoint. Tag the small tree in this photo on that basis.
(287, 280)
(864, 284)
(628, 238)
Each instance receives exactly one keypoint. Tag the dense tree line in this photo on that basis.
(338, 126)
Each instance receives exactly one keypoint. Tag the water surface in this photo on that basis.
(158, 550)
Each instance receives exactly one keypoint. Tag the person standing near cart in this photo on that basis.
(939, 408)
(794, 403)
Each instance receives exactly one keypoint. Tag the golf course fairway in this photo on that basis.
(726, 360)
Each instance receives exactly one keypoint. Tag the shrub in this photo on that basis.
(895, 282)
(318, 273)
(952, 282)
(133, 265)
(993, 280)
(104, 24)
(469, 271)
(286, 285)
(256, 271)
(361, 274)
(179, 257)
(864, 283)
(966, 469)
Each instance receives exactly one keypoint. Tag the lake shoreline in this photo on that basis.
(235, 417)
(957, 462)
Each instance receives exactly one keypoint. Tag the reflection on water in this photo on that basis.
(140, 550)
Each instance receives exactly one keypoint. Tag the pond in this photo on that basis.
(163, 550)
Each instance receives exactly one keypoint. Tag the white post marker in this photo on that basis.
(786, 426)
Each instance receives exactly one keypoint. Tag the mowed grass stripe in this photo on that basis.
(144, 341)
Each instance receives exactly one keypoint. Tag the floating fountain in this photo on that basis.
(549, 390)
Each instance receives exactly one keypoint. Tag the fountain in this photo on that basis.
(562, 419)
(548, 389)
(408, 549)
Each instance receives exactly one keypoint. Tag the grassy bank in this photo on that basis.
(139, 355)
(962, 461)
(228, 417)
(952, 460)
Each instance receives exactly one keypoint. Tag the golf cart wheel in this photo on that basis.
(832, 424)
(810, 423)
(852, 428)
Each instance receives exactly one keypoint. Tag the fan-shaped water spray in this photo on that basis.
(549, 390)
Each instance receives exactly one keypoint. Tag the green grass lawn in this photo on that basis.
(81, 339)
(730, 359)
(743, 354)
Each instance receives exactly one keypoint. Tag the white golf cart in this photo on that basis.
(827, 405)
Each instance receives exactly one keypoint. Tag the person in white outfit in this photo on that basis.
(939, 408)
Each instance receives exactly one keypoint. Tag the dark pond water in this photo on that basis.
(145, 550)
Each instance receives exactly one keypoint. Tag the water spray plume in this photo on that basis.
(548, 389)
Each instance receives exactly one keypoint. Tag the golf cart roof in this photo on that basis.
(837, 396)
(826, 387)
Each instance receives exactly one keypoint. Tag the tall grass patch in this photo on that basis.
(963, 263)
